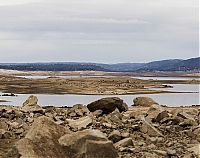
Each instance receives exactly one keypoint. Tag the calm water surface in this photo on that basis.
(145, 78)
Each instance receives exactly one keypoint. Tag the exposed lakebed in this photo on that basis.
(169, 99)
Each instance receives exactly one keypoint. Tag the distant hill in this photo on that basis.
(52, 67)
(122, 67)
(192, 64)
(187, 65)
(162, 65)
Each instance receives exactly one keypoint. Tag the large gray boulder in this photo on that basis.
(108, 105)
(144, 101)
(88, 144)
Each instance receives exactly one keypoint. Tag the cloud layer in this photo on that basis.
(98, 30)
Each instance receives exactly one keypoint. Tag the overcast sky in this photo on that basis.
(107, 31)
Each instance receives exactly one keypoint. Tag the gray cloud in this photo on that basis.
(98, 30)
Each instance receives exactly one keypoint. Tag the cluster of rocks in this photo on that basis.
(105, 128)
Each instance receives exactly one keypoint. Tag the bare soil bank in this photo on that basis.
(89, 86)
(100, 73)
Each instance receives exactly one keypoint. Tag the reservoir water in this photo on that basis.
(174, 99)
(139, 77)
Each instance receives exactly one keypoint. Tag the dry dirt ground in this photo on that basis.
(87, 85)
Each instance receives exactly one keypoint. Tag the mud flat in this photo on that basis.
(90, 86)
(100, 73)
(104, 128)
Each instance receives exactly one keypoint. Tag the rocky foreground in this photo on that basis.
(103, 129)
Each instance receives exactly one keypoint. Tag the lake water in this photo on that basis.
(145, 78)
(178, 99)
(181, 88)
(168, 78)
(175, 99)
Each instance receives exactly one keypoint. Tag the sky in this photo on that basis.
(107, 31)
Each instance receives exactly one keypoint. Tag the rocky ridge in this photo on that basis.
(146, 130)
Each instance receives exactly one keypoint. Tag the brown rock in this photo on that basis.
(41, 140)
(31, 104)
(161, 115)
(80, 123)
(88, 144)
(97, 113)
(188, 122)
(126, 142)
(185, 115)
(108, 105)
(149, 129)
(161, 153)
(115, 136)
(153, 112)
(78, 110)
(115, 117)
(143, 101)
(100, 149)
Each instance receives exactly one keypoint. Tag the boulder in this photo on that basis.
(188, 122)
(41, 140)
(78, 110)
(80, 123)
(161, 153)
(115, 117)
(144, 101)
(115, 136)
(100, 149)
(126, 142)
(185, 115)
(149, 129)
(88, 144)
(108, 105)
(161, 116)
(75, 139)
(97, 113)
(31, 104)
(153, 112)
